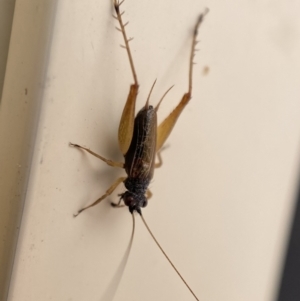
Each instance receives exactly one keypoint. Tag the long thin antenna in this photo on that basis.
(171, 263)
(115, 281)
(132, 233)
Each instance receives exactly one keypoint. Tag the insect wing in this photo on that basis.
(139, 160)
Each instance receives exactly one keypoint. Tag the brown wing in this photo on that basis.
(139, 160)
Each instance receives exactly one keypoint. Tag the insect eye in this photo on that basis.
(144, 203)
(128, 199)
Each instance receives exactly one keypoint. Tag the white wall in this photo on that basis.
(224, 196)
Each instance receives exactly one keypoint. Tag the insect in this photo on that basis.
(140, 139)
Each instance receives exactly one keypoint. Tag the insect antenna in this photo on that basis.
(171, 263)
(115, 281)
(132, 236)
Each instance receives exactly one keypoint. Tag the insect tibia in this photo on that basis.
(200, 19)
(117, 8)
(206, 11)
(117, 5)
(193, 48)
(75, 215)
(122, 25)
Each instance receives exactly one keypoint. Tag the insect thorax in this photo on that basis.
(135, 197)
(137, 185)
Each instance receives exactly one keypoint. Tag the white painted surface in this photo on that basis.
(223, 198)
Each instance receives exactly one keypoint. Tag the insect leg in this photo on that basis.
(159, 157)
(149, 194)
(127, 119)
(118, 205)
(125, 132)
(160, 161)
(107, 161)
(165, 128)
(107, 193)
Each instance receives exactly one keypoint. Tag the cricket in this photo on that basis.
(141, 140)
